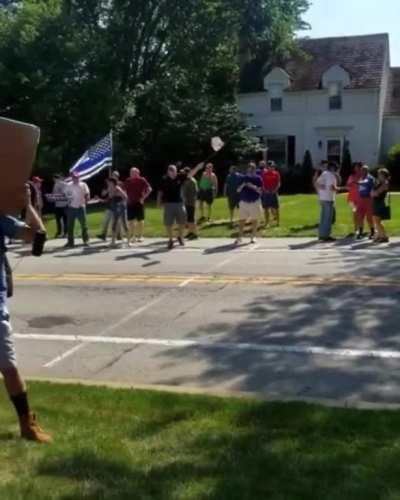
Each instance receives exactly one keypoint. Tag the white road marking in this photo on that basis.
(115, 326)
(205, 344)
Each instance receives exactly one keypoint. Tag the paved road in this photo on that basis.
(284, 318)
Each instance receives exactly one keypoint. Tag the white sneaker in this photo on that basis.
(140, 240)
(253, 240)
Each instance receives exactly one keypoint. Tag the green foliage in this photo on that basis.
(347, 163)
(393, 163)
(162, 73)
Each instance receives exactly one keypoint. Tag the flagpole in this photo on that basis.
(110, 169)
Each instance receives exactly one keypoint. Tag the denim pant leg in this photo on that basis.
(326, 219)
(107, 221)
(71, 215)
(8, 357)
(83, 222)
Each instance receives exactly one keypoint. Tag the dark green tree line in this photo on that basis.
(162, 73)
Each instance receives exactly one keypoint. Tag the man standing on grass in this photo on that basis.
(12, 228)
(138, 190)
(231, 192)
(170, 196)
(270, 198)
(326, 187)
(250, 190)
(78, 195)
(60, 206)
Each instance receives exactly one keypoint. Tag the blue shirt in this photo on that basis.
(233, 181)
(9, 226)
(365, 186)
(247, 194)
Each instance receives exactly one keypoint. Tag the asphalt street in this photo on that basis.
(284, 319)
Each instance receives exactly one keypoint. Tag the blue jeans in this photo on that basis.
(326, 218)
(119, 214)
(80, 214)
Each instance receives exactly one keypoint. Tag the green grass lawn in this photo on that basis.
(299, 214)
(133, 445)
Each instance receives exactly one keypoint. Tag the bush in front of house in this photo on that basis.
(393, 163)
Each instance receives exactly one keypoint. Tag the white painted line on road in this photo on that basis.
(115, 326)
(205, 344)
(105, 332)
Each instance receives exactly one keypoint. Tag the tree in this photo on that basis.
(162, 73)
(347, 163)
(307, 172)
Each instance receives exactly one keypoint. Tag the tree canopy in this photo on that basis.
(162, 73)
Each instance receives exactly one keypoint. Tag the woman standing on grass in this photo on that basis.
(208, 190)
(380, 209)
(353, 196)
(118, 199)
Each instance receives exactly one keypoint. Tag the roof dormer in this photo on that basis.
(277, 78)
(337, 75)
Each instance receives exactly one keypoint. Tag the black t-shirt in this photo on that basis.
(172, 189)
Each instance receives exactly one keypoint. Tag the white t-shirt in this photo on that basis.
(76, 194)
(325, 183)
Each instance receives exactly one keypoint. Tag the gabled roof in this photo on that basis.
(363, 57)
(392, 105)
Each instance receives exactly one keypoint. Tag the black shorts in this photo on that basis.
(190, 214)
(233, 201)
(207, 196)
(136, 212)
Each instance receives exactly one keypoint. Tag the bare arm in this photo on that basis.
(197, 169)
(33, 222)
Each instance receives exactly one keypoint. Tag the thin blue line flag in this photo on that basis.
(95, 159)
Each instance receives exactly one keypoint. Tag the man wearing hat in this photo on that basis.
(78, 195)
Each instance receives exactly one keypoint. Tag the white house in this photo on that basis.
(343, 92)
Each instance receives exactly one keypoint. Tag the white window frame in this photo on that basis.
(283, 137)
(341, 140)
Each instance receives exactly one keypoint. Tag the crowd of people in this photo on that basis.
(186, 201)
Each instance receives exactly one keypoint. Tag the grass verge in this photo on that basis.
(139, 445)
(299, 216)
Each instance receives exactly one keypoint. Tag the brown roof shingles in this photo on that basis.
(363, 57)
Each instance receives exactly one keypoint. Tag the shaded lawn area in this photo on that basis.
(299, 216)
(125, 444)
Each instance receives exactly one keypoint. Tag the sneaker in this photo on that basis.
(238, 241)
(170, 244)
(253, 240)
(69, 245)
(327, 240)
(31, 430)
(102, 237)
(371, 235)
(181, 242)
(140, 239)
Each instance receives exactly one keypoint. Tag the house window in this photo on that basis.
(334, 150)
(276, 104)
(277, 150)
(335, 96)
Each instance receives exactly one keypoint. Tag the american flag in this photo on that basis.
(95, 159)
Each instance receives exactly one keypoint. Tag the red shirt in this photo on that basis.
(352, 186)
(271, 180)
(136, 188)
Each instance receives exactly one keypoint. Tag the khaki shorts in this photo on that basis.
(249, 211)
